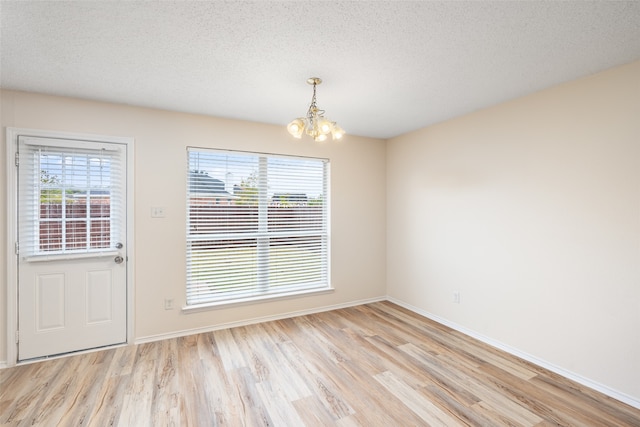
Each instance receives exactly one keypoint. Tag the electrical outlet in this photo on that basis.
(168, 304)
(456, 297)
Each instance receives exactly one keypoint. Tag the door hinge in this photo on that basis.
(17, 158)
(17, 337)
(17, 248)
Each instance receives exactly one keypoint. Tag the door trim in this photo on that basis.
(11, 224)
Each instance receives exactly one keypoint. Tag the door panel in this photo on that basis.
(72, 269)
(99, 296)
(50, 301)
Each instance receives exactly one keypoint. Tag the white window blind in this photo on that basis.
(70, 197)
(257, 225)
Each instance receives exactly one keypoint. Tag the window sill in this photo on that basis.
(253, 300)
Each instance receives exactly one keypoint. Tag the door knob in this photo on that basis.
(118, 259)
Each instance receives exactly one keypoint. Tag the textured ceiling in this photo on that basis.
(388, 67)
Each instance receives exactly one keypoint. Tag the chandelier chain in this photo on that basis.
(313, 107)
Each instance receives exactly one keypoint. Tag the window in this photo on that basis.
(68, 197)
(257, 226)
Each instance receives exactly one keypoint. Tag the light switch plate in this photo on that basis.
(157, 212)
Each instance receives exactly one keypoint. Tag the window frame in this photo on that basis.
(263, 235)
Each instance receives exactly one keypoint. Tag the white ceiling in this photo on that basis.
(388, 67)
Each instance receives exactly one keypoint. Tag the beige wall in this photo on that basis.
(531, 210)
(357, 210)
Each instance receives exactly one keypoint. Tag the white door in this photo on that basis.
(72, 261)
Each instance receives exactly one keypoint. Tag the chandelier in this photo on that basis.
(315, 124)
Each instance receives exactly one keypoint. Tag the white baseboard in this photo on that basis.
(622, 397)
(3, 364)
(245, 322)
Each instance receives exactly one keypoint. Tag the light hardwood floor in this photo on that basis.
(370, 365)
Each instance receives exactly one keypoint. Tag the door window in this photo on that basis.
(69, 198)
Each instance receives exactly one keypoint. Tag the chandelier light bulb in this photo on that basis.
(315, 124)
(337, 132)
(325, 126)
(296, 128)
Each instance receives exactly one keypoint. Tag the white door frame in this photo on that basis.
(11, 142)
